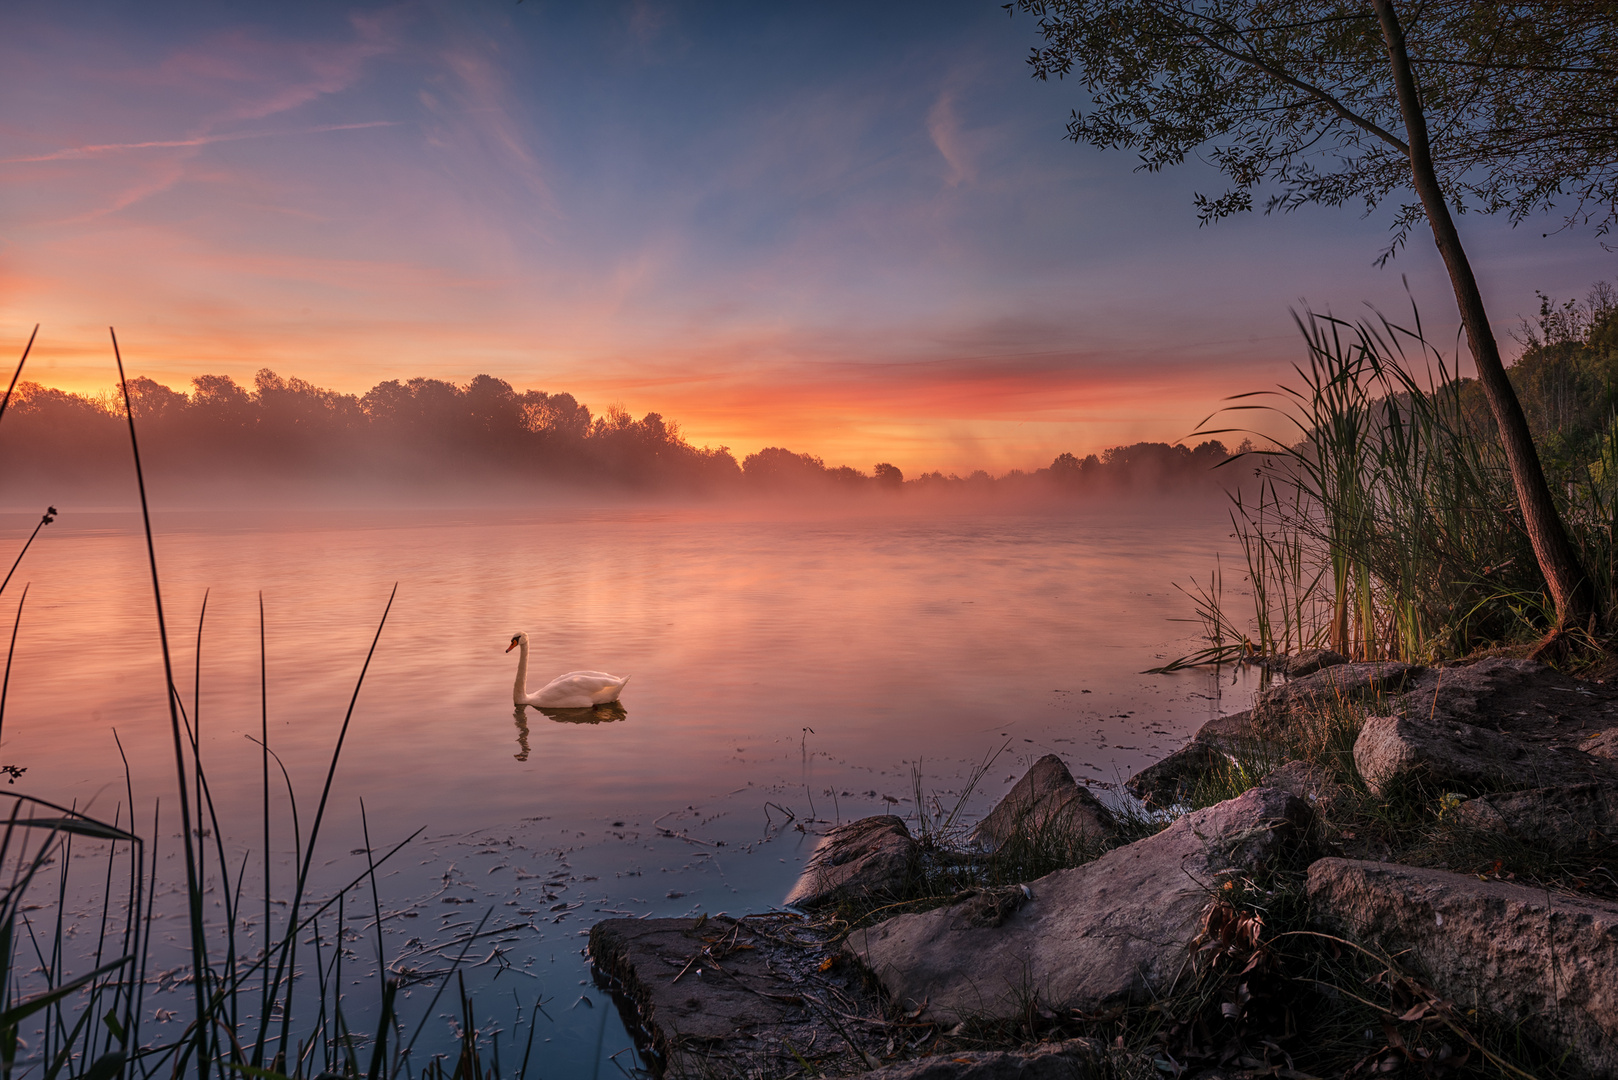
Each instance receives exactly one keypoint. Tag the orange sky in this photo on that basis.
(824, 229)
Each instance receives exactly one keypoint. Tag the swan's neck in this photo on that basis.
(519, 692)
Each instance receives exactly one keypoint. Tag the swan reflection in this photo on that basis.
(605, 713)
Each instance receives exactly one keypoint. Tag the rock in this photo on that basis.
(713, 997)
(1168, 781)
(1045, 798)
(1603, 744)
(1451, 755)
(1311, 783)
(871, 857)
(1546, 961)
(1520, 697)
(1074, 1059)
(1110, 931)
(1497, 724)
(1230, 734)
(1553, 818)
(1307, 662)
(1353, 682)
(1466, 757)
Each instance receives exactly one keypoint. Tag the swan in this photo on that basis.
(575, 690)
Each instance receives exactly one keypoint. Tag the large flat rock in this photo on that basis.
(736, 997)
(1544, 960)
(1047, 799)
(1112, 930)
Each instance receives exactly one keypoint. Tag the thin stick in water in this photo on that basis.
(6, 685)
(48, 517)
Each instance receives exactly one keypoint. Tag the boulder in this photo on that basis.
(1306, 662)
(1074, 1059)
(1454, 754)
(1552, 818)
(1232, 733)
(1113, 930)
(871, 857)
(1311, 783)
(1046, 798)
(1352, 682)
(1168, 781)
(1546, 961)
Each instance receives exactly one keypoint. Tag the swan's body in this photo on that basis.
(575, 690)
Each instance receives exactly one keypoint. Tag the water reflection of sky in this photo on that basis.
(786, 673)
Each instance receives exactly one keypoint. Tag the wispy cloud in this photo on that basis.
(944, 126)
(101, 149)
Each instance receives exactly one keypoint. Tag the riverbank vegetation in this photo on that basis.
(1387, 525)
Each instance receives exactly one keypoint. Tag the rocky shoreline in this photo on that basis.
(1441, 841)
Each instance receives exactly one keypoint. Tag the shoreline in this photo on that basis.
(1224, 878)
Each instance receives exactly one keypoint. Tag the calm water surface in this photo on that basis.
(809, 663)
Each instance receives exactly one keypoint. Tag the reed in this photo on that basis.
(1384, 524)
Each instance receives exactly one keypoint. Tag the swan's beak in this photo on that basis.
(513, 645)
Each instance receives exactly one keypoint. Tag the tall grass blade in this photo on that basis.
(15, 375)
(199, 943)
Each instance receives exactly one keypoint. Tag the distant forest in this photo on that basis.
(428, 432)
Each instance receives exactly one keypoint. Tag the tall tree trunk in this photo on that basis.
(1570, 587)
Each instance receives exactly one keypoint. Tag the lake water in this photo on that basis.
(778, 659)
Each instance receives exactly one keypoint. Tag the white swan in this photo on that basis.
(575, 690)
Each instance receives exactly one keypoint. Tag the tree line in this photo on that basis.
(425, 432)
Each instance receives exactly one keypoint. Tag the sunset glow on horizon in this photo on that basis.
(859, 235)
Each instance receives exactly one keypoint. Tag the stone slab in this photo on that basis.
(1546, 960)
(721, 997)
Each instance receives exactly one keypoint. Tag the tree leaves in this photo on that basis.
(1294, 99)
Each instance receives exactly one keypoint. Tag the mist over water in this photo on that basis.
(779, 653)
(428, 439)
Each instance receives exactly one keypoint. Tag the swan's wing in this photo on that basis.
(580, 688)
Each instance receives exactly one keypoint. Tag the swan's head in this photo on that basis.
(516, 639)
